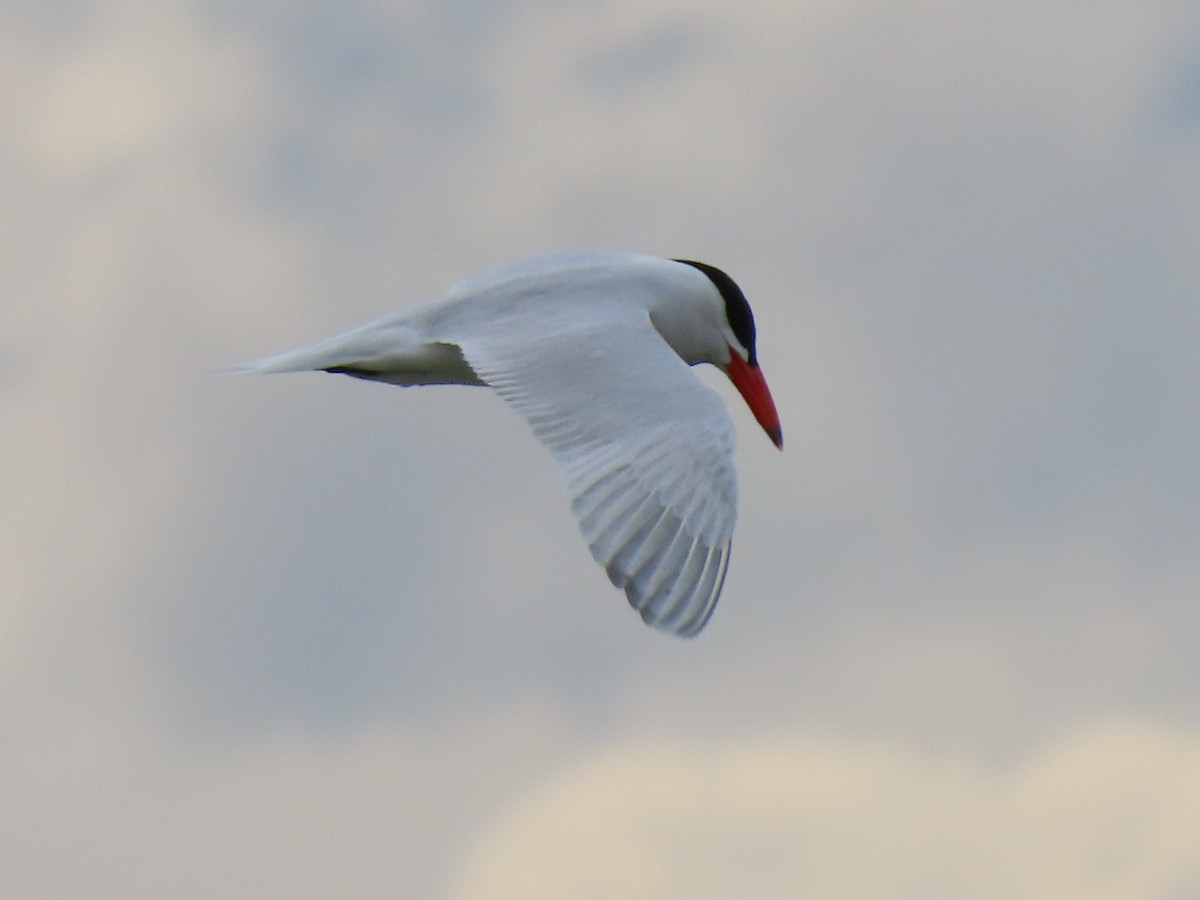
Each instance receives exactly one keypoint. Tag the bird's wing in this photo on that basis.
(645, 445)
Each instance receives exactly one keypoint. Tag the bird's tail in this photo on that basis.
(367, 347)
(306, 359)
(386, 352)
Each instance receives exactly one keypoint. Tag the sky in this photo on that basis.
(300, 636)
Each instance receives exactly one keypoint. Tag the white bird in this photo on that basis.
(593, 349)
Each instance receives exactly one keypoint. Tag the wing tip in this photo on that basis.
(689, 613)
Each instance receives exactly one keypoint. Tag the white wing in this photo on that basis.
(645, 445)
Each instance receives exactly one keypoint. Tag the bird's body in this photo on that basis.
(593, 348)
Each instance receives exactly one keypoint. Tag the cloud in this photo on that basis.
(126, 246)
(319, 612)
(1110, 811)
(110, 806)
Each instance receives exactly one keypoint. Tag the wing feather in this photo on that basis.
(645, 446)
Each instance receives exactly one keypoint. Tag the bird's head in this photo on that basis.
(736, 323)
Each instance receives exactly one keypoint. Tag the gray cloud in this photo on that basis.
(794, 817)
(235, 610)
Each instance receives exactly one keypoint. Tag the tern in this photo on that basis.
(593, 348)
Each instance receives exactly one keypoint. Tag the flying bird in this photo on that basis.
(593, 348)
